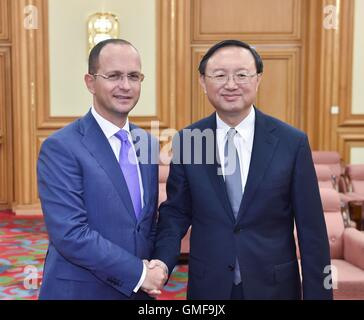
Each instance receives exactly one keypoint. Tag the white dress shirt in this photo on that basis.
(243, 141)
(109, 130)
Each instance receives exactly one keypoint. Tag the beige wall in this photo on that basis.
(357, 156)
(357, 153)
(68, 50)
(358, 64)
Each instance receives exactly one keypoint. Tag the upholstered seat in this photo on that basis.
(355, 174)
(325, 176)
(349, 181)
(346, 249)
(326, 179)
(333, 160)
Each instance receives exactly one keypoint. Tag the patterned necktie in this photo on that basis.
(233, 184)
(130, 170)
(232, 172)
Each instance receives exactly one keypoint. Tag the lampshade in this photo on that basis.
(102, 26)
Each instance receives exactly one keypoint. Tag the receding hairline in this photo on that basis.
(121, 44)
(230, 43)
(228, 47)
(94, 61)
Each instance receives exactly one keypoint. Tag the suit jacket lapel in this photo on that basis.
(98, 146)
(217, 180)
(263, 149)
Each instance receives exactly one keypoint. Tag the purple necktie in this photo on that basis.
(130, 170)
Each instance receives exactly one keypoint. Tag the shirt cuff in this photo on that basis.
(142, 278)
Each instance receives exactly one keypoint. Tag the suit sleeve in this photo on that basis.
(60, 186)
(175, 213)
(310, 224)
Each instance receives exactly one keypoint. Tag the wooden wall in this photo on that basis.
(6, 182)
(307, 71)
(275, 29)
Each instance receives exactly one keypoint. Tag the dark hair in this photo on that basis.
(230, 43)
(93, 59)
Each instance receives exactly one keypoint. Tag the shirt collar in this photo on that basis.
(245, 128)
(107, 127)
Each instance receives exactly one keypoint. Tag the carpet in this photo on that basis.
(23, 245)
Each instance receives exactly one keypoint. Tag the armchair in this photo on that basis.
(346, 250)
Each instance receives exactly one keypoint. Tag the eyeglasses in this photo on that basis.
(240, 78)
(133, 77)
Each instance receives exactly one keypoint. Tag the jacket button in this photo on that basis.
(231, 268)
(237, 230)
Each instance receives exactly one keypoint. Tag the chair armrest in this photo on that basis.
(354, 247)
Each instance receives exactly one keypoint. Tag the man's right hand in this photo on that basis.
(154, 280)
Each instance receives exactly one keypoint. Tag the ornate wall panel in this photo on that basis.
(266, 20)
(4, 20)
(6, 166)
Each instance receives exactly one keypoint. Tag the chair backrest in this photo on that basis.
(334, 222)
(324, 176)
(333, 160)
(355, 173)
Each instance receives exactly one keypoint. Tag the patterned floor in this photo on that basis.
(177, 284)
(23, 245)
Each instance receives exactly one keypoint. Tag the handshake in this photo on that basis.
(157, 274)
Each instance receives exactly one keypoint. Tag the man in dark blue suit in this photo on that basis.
(243, 180)
(98, 186)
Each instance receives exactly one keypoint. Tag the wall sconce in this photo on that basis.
(102, 26)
